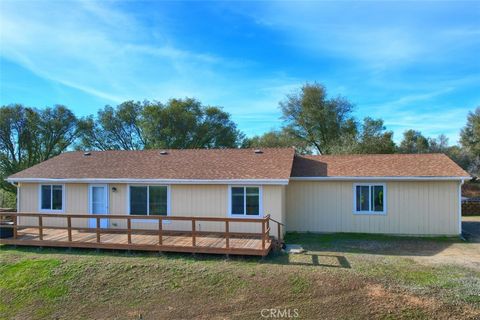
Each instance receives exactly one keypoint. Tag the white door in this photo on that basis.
(98, 198)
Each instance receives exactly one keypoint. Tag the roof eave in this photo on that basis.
(152, 181)
(382, 178)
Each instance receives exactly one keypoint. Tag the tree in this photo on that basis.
(186, 123)
(316, 119)
(470, 134)
(29, 136)
(117, 128)
(179, 124)
(374, 139)
(438, 145)
(469, 156)
(277, 139)
(414, 142)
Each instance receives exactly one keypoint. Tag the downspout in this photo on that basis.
(460, 207)
(15, 184)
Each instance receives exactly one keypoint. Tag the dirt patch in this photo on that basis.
(466, 253)
(415, 306)
(105, 286)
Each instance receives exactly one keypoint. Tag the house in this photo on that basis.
(405, 194)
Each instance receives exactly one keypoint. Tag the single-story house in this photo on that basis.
(407, 194)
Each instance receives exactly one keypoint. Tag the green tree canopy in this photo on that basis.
(277, 139)
(186, 123)
(414, 142)
(470, 142)
(470, 134)
(117, 128)
(178, 124)
(320, 121)
(373, 137)
(29, 136)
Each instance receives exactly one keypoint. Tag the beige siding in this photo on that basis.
(75, 201)
(422, 208)
(203, 201)
(186, 200)
(118, 204)
(412, 207)
(28, 197)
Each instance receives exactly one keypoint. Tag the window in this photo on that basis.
(369, 198)
(149, 200)
(51, 197)
(245, 201)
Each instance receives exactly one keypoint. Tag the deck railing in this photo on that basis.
(227, 234)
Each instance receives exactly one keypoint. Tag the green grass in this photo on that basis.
(29, 281)
(332, 279)
(299, 284)
(327, 239)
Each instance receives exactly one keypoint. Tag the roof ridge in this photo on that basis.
(184, 149)
(372, 154)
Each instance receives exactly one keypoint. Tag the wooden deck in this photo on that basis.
(224, 242)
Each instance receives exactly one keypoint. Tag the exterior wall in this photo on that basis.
(75, 197)
(185, 200)
(422, 208)
(200, 201)
(416, 208)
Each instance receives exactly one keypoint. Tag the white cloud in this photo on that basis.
(95, 48)
(380, 35)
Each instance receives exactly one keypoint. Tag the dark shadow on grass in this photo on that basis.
(275, 257)
(318, 245)
(371, 243)
(89, 252)
(309, 259)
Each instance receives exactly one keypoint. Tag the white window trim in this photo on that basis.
(354, 189)
(51, 198)
(260, 202)
(148, 198)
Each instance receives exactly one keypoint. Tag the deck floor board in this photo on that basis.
(205, 242)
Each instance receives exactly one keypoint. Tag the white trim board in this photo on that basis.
(378, 178)
(169, 203)
(370, 212)
(154, 181)
(460, 207)
(227, 181)
(105, 222)
(260, 203)
(64, 190)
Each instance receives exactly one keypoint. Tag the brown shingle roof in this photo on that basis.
(377, 165)
(202, 164)
(236, 164)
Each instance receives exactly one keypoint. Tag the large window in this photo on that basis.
(51, 197)
(149, 200)
(369, 198)
(245, 201)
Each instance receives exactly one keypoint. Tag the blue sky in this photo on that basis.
(413, 64)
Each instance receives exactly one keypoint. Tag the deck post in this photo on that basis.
(15, 227)
(263, 234)
(40, 227)
(160, 227)
(98, 230)
(279, 231)
(69, 226)
(193, 233)
(210, 242)
(129, 231)
(227, 235)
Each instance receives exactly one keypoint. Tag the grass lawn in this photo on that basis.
(340, 277)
